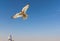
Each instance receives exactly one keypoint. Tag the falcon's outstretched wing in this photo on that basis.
(25, 8)
(17, 15)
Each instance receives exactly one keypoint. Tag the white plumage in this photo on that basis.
(22, 13)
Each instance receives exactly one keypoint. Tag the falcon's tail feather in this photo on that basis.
(24, 16)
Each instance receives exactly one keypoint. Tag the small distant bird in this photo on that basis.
(22, 13)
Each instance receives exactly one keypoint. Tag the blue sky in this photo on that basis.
(43, 18)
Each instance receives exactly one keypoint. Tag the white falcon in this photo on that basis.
(22, 13)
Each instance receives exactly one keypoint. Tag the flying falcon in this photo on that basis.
(22, 13)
